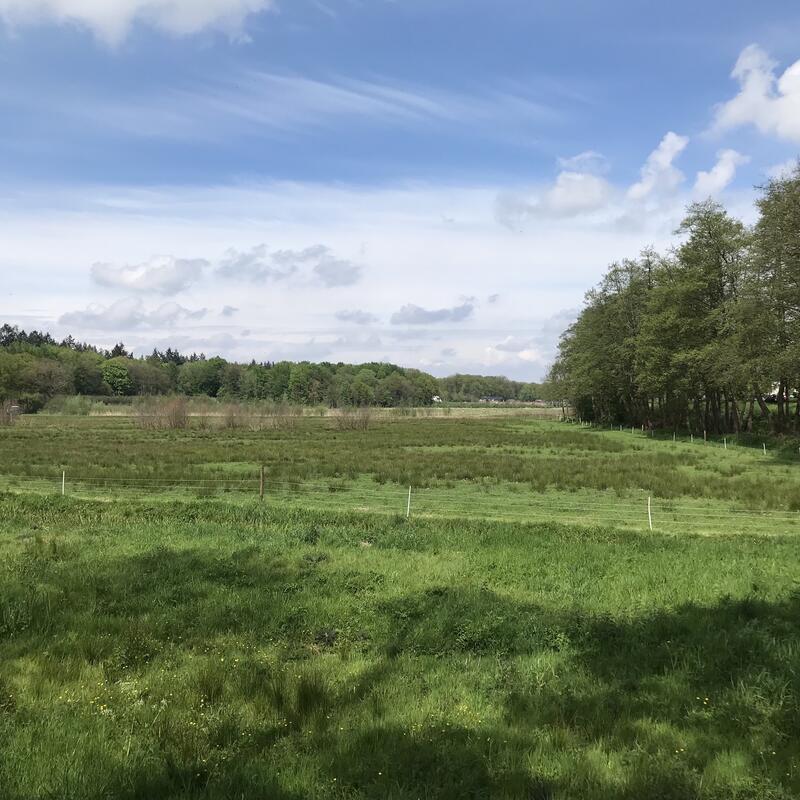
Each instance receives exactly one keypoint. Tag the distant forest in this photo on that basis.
(704, 337)
(35, 368)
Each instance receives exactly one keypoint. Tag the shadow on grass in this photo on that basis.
(696, 701)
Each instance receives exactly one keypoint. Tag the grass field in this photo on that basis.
(155, 643)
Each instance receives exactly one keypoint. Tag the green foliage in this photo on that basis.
(34, 368)
(116, 374)
(696, 339)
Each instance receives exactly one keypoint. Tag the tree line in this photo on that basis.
(704, 337)
(34, 368)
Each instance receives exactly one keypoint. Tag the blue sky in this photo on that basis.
(433, 183)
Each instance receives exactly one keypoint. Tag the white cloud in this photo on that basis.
(710, 183)
(255, 264)
(576, 193)
(317, 263)
(784, 170)
(411, 314)
(129, 313)
(658, 175)
(770, 103)
(572, 194)
(334, 272)
(162, 274)
(52, 233)
(111, 20)
(356, 316)
(587, 161)
(513, 344)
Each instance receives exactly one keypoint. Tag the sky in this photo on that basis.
(434, 183)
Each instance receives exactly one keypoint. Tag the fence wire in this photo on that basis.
(502, 502)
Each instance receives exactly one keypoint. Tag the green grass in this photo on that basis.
(213, 650)
(493, 467)
(163, 634)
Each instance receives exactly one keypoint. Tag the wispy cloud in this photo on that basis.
(110, 20)
(249, 102)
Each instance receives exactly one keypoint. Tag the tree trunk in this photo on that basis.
(736, 422)
(762, 404)
(748, 420)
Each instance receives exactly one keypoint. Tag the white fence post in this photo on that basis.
(408, 505)
(63, 482)
(649, 513)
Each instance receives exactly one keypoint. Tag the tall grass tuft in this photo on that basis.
(169, 414)
(353, 419)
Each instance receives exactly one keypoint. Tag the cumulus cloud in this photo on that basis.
(110, 20)
(260, 265)
(333, 272)
(229, 311)
(356, 316)
(161, 274)
(766, 101)
(572, 194)
(658, 175)
(576, 193)
(537, 346)
(129, 313)
(416, 315)
(712, 182)
(256, 264)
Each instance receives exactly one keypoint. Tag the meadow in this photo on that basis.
(192, 641)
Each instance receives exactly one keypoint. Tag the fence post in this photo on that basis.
(725, 441)
(63, 482)
(764, 445)
(261, 484)
(649, 513)
(408, 505)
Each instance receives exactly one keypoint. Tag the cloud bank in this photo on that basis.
(127, 314)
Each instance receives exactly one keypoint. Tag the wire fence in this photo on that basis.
(502, 502)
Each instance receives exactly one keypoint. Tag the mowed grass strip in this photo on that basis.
(218, 650)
